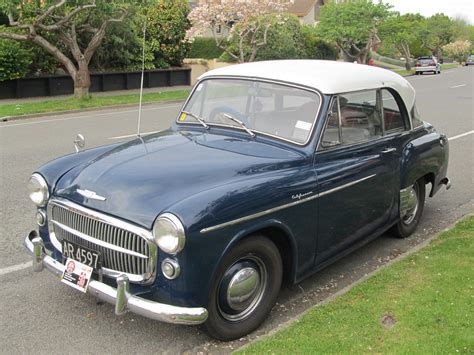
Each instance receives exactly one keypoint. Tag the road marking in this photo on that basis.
(457, 86)
(18, 267)
(133, 135)
(86, 116)
(461, 135)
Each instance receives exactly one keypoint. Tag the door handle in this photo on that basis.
(388, 150)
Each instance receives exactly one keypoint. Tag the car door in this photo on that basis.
(355, 166)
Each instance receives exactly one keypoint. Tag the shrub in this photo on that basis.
(14, 60)
(206, 48)
(167, 26)
(284, 39)
(315, 47)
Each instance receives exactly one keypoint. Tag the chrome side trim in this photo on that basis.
(120, 297)
(327, 192)
(275, 209)
(256, 215)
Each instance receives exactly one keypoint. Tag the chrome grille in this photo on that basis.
(124, 248)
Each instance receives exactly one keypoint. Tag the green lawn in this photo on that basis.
(94, 101)
(423, 304)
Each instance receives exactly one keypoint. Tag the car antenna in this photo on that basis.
(141, 83)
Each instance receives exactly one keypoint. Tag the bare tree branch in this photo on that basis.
(48, 12)
(56, 26)
(96, 40)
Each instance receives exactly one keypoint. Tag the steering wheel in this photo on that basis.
(216, 115)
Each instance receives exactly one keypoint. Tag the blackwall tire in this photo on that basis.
(407, 224)
(237, 309)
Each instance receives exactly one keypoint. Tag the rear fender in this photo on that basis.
(425, 157)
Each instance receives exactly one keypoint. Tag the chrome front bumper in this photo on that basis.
(120, 296)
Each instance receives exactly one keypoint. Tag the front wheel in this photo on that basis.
(411, 210)
(245, 289)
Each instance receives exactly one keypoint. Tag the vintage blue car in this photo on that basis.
(272, 171)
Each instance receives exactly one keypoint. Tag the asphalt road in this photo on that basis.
(38, 314)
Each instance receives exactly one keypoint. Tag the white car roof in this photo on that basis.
(329, 77)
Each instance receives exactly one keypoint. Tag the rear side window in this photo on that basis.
(392, 117)
(415, 117)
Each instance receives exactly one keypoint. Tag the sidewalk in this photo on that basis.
(98, 94)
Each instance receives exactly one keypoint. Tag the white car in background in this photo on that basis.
(427, 64)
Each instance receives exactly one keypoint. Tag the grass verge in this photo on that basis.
(404, 72)
(72, 103)
(423, 304)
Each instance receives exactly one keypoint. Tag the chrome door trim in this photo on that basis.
(278, 208)
(330, 191)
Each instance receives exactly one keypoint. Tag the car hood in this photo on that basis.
(145, 176)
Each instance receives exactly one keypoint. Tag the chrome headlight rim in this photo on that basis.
(42, 186)
(178, 237)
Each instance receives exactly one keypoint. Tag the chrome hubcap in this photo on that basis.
(242, 287)
(412, 205)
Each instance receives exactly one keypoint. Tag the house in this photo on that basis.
(307, 10)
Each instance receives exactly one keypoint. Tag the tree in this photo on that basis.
(236, 21)
(437, 31)
(167, 23)
(33, 21)
(403, 33)
(459, 50)
(353, 26)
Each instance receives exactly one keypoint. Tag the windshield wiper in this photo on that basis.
(197, 118)
(240, 123)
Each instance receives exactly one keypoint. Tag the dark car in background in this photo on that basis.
(470, 60)
(271, 171)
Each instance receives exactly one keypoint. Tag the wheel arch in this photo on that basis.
(280, 235)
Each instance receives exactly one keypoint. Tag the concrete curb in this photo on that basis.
(346, 289)
(89, 109)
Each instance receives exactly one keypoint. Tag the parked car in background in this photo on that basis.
(427, 64)
(272, 171)
(470, 60)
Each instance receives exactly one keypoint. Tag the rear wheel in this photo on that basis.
(412, 213)
(245, 289)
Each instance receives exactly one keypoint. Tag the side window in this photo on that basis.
(392, 116)
(415, 117)
(331, 132)
(361, 117)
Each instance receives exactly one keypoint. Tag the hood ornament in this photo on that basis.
(90, 195)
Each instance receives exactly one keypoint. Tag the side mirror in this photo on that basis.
(79, 142)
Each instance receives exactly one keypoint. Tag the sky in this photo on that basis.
(452, 8)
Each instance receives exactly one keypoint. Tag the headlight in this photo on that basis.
(38, 189)
(169, 233)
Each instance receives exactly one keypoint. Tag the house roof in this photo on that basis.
(329, 77)
(301, 7)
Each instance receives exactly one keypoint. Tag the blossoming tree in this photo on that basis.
(459, 50)
(237, 26)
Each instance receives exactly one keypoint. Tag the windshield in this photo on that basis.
(274, 109)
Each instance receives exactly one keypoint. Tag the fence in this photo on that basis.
(63, 85)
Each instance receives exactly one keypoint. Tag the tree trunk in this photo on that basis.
(82, 81)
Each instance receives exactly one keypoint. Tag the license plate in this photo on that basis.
(82, 254)
(76, 275)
